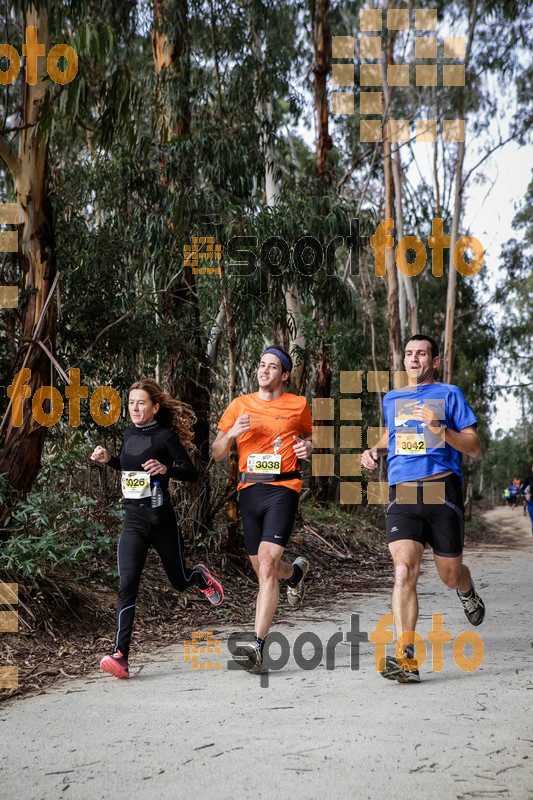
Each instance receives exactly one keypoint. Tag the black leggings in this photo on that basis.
(144, 527)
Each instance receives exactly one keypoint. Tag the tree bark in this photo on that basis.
(296, 338)
(233, 477)
(21, 455)
(171, 52)
(407, 294)
(457, 213)
(452, 272)
(391, 274)
(320, 485)
(322, 58)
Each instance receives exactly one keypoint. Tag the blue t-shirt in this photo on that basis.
(414, 451)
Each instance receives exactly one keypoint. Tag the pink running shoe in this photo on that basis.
(116, 665)
(214, 591)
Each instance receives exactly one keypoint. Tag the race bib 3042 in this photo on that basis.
(410, 444)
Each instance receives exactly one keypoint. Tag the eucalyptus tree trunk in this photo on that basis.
(321, 37)
(452, 272)
(320, 484)
(391, 274)
(407, 300)
(171, 51)
(407, 294)
(457, 213)
(296, 338)
(289, 335)
(232, 513)
(322, 57)
(28, 169)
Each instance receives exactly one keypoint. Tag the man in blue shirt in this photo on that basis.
(429, 426)
(514, 492)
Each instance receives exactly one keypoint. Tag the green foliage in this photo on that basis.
(52, 533)
(514, 295)
(128, 193)
(362, 528)
(54, 529)
(510, 454)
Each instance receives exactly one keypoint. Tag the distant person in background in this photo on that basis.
(514, 492)
(527, 489)
(506, 495)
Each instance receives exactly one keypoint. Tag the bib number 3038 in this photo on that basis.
(410, 444)
(263, 464)
(135, 485)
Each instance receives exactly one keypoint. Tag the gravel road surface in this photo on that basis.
(173, 732)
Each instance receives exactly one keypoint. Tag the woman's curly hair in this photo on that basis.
(171, 413)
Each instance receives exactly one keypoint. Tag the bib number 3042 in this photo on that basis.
(263, 464)
(410, 444)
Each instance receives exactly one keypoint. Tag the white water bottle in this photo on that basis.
(157, 495)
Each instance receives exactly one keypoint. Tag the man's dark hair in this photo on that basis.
(287, 356)
(418, 337)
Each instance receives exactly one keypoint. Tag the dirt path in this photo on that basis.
(172, 732)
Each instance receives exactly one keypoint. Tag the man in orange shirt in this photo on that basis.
(273, 429)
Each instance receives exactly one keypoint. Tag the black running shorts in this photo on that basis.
(440, 525)
(268, 514)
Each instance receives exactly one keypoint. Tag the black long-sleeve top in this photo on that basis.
(153, 441)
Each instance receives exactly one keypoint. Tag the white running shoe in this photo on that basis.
(296, 594)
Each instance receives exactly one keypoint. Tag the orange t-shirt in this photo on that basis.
(273, 423)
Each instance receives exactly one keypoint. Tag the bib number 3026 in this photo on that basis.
(263, 464)
(410, 444)
(135, 485)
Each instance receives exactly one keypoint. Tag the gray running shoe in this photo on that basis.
(474, 607)
(296, 594)
(250, 656)
(399, 671)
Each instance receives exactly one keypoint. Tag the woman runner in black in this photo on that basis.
(162, 426)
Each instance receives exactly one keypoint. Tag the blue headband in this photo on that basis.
(286, 362)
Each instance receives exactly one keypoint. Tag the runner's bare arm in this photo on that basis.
(222, 444)
(303, 446)
(369, 459)
(465, 441)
